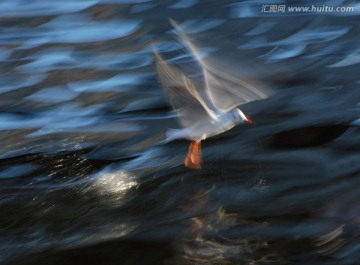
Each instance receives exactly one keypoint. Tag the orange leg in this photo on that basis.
(193, 157)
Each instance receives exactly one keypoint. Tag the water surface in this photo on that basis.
(85, 176)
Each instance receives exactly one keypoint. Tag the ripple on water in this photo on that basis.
(14, 8)
(15, 171)
(353, 58)
(67, 117)
(113, 61)
(314, 35)
(5, 54)
(59, 59)
(261, 28)
(144, 104)
(115, 83)
(53, 95)
(58, 123)
(305, 36)
(124, 1)
(200, 25)
(48, 60)
(71, 29)
(248, 9)
(284, 52)
(167, 46)
(10, 83)
(184, 4)
(141, 8)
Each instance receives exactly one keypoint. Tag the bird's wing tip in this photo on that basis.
(173, 22)
(178, 29)
(158, 59)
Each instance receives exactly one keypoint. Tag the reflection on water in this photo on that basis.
(84, 167)
(210, 240)
(115, 183)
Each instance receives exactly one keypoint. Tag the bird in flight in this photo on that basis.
(204, 97)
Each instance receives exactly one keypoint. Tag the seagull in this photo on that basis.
(205, 101)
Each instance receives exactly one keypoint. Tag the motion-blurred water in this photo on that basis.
(85, 179)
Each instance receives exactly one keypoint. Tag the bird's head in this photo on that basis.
(241, 117)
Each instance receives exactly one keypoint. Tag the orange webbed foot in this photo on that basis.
(193, 157)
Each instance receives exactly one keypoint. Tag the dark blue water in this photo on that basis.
(86, 179)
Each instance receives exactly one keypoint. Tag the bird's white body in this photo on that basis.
(203, 129)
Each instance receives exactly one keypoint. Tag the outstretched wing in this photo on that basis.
(227, 91)
(224, 90)
(183, 94)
